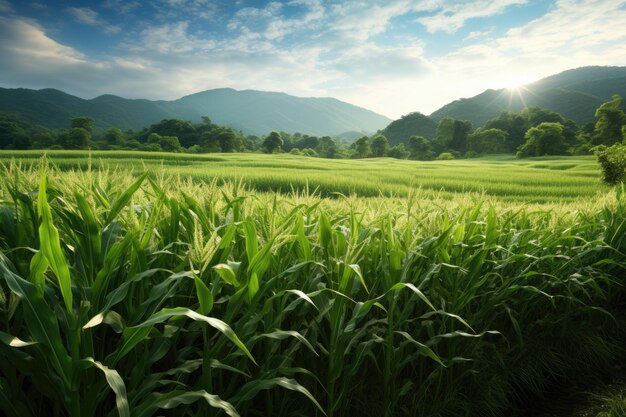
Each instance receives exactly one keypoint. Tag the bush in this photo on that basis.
(613, 162)
(445, 156)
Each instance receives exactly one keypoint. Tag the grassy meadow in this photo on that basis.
(138, 284)
(553, 179)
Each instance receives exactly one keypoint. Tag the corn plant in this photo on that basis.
(131, 294)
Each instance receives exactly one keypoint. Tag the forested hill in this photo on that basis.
(253, 112)
(575, 94)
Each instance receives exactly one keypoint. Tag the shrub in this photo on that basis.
(613, 162)
(445, 156)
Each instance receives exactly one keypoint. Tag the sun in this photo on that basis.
(514, 82)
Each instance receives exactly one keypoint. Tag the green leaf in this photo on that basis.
(123, 200)
(41, 322)
(111, 318)
(205, 296)
(227, 274)
(117, 385)
(131, 337)
(9, 405)
(423, 349)
(252, 388)
(175, 398)
(51, 246)
(168, 313)
(13, 341)
(283, 334)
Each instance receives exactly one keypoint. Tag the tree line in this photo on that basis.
(530, 132)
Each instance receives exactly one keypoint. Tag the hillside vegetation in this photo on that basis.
(575, 94)
(253, 112)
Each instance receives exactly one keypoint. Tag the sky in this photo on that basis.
(393, 56)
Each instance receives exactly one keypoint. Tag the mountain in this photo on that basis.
(412, 124)
(576, 94)
(253, 112)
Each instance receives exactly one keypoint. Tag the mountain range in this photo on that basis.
(576, 94)
(253, 112)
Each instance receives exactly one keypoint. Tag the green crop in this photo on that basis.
(126, 294)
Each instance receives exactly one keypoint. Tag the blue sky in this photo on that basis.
(393, 56)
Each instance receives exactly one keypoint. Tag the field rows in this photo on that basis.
(536, 180)
(130, 294)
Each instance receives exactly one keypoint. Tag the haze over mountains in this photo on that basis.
(576, 94)
(253, 112)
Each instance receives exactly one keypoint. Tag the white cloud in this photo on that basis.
(359, 21)
(268, 23)
(27, 39)
(454, 14)
(170, 39)
(5, 7)
(87, 16)
(573, 33)
(183, 9)
(122, 6)
(33, 59)
(312, 48)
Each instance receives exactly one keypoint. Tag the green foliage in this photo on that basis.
(611, 119)
(445, 156)
(453, 134)
(129, 296)
(273, 142)
(82, 122)
(379, 146)
(545, 139)
(612, 160)
(420, 148)
(327, 148)
(412, 124)
(362, 147)
(399, 152)
(487, 141)
(76, 138)
(114, 136)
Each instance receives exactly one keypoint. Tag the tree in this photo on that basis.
(399, 152)
(82, 122)
(209, 142)
(76, 138)
(229, 141)
(12, 132)
(453, 134)
(420, 148)
(514, 124)
(487, 141)
(114, 136)
(326, 148)
(613, 162)
(167, 143)
(273, 142)
(362, 147)
(545, 139)
(611, 118)
(379, 146)
(184, 130)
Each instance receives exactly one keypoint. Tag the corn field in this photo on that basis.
(160, 295)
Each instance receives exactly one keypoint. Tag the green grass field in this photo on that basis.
(555, 179)
(155, 284)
